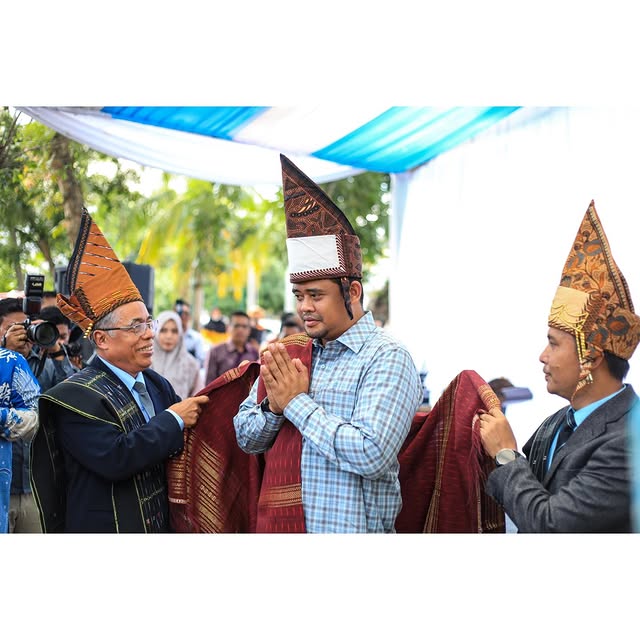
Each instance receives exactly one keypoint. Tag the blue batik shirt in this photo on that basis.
(53, 372)
(19, 392)
(364, 392)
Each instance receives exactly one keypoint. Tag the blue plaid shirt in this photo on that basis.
(364, 392)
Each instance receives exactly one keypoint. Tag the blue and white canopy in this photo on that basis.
(241, 145)
(485, 203)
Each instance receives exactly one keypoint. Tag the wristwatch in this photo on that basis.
(264, 405)
(504, 456)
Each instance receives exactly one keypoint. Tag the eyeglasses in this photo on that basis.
(137, 329)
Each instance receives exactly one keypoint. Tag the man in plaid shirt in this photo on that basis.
(354, 408)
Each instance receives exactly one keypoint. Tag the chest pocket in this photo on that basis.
(337, 396)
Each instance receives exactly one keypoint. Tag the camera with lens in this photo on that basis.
(44, 334)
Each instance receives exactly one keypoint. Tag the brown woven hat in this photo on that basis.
(593, 302)
(97, 280)
(321, 242)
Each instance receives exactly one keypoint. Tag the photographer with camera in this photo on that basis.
(60, 352)
(40, 336)
(38, 340)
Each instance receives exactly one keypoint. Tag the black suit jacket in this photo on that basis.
(98, 455)
(588, 485)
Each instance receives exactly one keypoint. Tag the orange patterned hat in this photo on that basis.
(97, 280)
(321, 242)
(593, 302)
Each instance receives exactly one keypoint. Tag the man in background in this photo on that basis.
(231, 353)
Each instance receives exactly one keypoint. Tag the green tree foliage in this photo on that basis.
(188, 236)
(29, 236)
(364, 199)
(219, 234)
(205, 241)
(33, 228)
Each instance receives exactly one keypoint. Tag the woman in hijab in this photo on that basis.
(171, 359)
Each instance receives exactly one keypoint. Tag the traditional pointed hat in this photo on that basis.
(98, 282)
(593, 302)
(321, 242)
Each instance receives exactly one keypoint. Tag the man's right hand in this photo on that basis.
(15, 339)
(190, 409)
(496, 432)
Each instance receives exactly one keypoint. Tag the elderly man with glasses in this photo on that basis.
(98, 460)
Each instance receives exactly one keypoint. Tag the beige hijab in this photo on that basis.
(178, 366)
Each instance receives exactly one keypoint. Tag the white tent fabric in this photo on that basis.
(479, 234)
(241, 145)
(181, 152)
(485, 233)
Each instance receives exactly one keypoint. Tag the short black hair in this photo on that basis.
(9, 305)
(347, 303)
(53, 314)
(288, 319)
(618, 367)
(350, 279)
(244, 314)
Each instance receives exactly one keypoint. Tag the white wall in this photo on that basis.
(484, 235)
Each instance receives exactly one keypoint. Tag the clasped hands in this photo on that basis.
(284, 377)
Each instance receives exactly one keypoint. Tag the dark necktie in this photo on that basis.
(567, 430)
(145, 398)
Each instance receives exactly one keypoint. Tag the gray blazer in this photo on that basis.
(587, 487)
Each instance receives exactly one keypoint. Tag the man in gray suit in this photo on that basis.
(576, 473)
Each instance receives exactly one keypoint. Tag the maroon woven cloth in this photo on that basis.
(280, 503)
(215, 487)
(213, 484)
(443, 467)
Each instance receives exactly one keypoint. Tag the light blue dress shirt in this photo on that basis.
(128, 380)
(580, 416)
